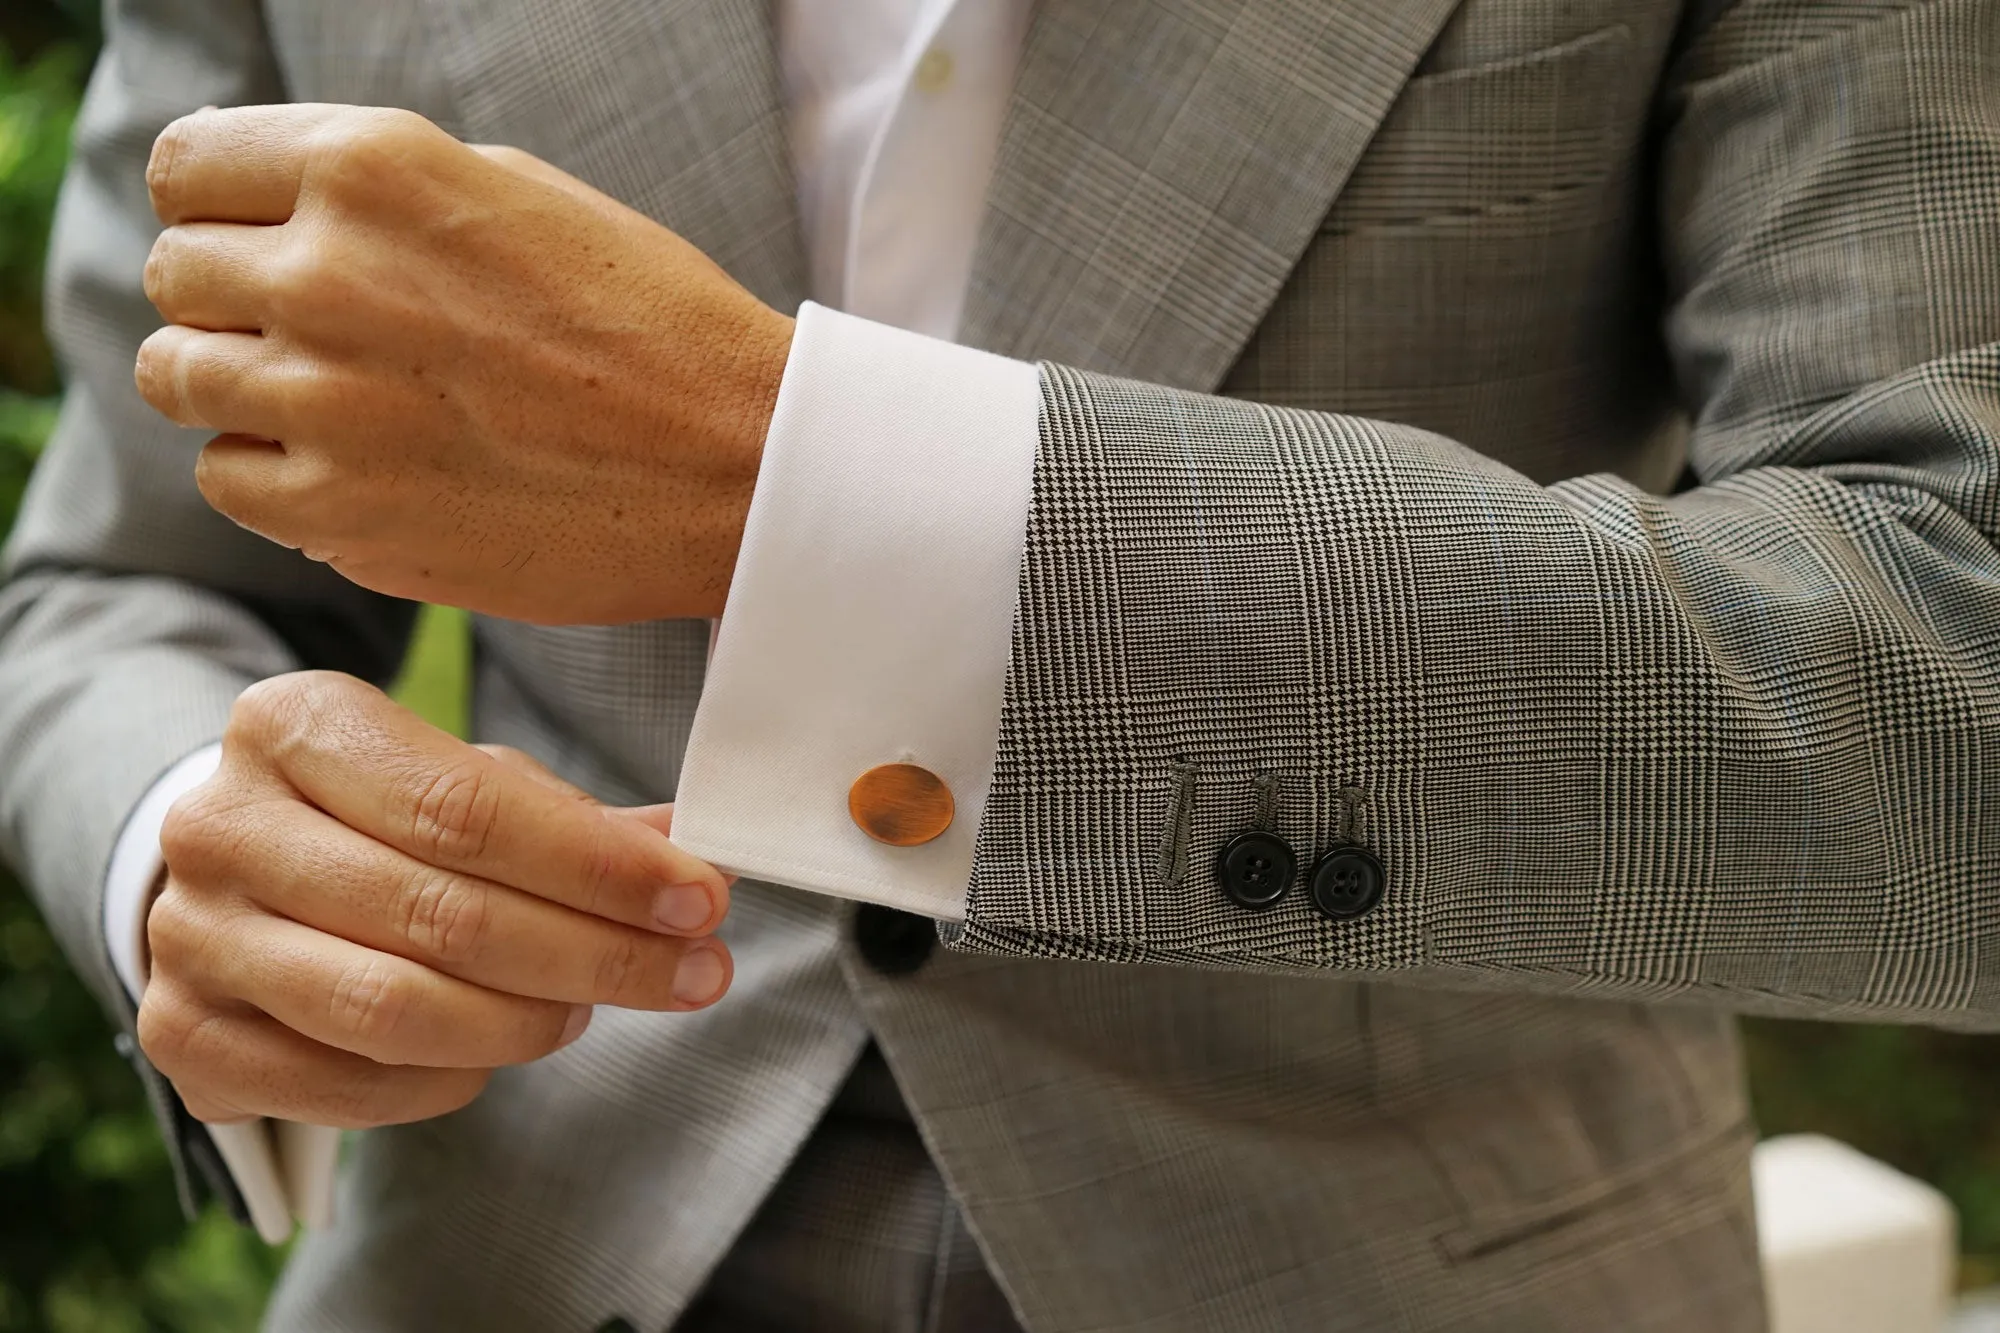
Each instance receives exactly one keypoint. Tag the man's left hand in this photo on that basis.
(454, 374)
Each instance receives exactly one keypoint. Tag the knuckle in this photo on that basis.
(178, 375)
(366, 156)
(178, 1034)
(281, 713)
(166, 929)
(314, 279)
(369, 1002)
(443, 916)
(454, 815)
(266, 711)
(204, 381)
(295, 279)
(507, 155)
(600, 865)
(195, 835)
(160, 1031)
(176, 931)
(156, 371)
(161, 263)
(621, 967)
(163, 167)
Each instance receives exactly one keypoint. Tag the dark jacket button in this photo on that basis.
(1346, 883)
(894, 943)
(1256, 868)
(619, 1325)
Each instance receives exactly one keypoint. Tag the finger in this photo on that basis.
(255, 163)
(236, 1065)
(223, 381)
(661, 818)
(374, 1004)
(530, 767)
(213, 275)
(657, 817)
(239, 164)
(319, 872)
(382, 770)
(274, 490)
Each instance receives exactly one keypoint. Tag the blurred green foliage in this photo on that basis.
(91, 1240)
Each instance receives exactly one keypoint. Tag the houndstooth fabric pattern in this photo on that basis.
(1379, 329)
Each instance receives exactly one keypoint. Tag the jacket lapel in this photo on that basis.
(673, 106)
(1165, 164)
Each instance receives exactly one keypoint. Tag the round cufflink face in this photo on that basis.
(1255, 868)
(1346, 883)
(900, 804)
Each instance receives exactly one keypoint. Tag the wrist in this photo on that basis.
(755, 372)
(747, 378)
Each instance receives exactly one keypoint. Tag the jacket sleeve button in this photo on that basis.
(1346, 883)
(1255, 868)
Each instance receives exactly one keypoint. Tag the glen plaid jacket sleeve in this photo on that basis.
(1741, 745)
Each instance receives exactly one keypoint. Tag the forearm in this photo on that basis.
(1716, 747)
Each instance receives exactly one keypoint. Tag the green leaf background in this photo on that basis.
(91, 1240)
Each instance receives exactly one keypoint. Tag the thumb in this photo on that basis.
(660, 818)
(530, 767)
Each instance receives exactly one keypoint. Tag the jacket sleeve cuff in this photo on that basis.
(871, 615)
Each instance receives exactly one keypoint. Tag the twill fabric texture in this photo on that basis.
(1616, 747)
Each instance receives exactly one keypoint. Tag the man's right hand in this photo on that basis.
(363, 916)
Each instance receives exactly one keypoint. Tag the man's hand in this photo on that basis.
(364, 916)
(454, 374)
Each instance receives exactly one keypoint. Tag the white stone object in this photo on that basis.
(1850, 1245)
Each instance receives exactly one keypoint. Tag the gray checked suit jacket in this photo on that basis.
(1442, 295)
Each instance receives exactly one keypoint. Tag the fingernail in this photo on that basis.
(700, 975)
(579, 1019)
(683, 906)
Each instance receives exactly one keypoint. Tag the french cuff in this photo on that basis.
(282, 1170)
(870, 620)
(136, 865)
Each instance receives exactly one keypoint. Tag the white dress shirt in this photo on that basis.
(871, 611)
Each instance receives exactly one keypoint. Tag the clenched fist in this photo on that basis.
(364, 916)
(454, 374)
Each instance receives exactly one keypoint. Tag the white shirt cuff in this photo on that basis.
(281, 1169)
(136, 864)
(870, 620)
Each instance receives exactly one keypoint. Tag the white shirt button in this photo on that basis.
(934, 70)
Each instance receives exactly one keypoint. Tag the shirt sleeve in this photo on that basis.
(282, 1170)
(871, 615)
